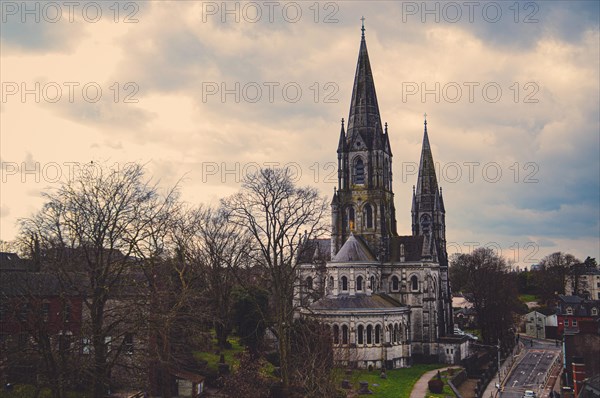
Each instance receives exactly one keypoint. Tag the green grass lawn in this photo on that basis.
(399, 382)
(474, 332)
(526, 298)
(229, 354)
(446, 392)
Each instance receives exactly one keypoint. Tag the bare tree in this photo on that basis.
(42, 319)
(312, 359)
(220, 248)
(103, 223)
(278, 216)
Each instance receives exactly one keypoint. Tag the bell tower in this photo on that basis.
(363, 203)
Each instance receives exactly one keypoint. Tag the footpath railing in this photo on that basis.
(456, 381)
(505, 369)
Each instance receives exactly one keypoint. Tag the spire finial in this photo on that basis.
(386, 127)
(342, 122)
(425, 117)
(363, 26)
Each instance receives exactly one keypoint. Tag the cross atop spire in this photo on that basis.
(363, 26)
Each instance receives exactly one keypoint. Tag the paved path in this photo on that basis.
(421, 388)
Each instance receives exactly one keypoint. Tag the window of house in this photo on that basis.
(22, 341)
(359, 171)
(566, 322)
(45, 311)
(360, 334)
(369, 215)
(359, 283)
(64, 342)
(344, 334)
(395, 283)
(569, 311)
(67, 312)
(23, 312)
(574, 322)
(128, 343)
(594, 311)
(86, 346)
(414, 283)
(369, 334)
(344, 283)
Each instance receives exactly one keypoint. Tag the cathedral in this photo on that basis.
(385, 297)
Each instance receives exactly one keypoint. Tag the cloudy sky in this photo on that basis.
(208, 91)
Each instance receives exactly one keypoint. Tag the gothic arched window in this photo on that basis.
(396, 334)
(369, 334)
(395, 283)
(361, 334)
(414, 283)
(368, 215)
(386, 173)
(359, 171)
(351, 218)
(344, 334)
(425, 223)
(359, 283)
(336, 334)
(372, 280)
(309, 283)
(377, 334)
(331, 282)
(344, 283)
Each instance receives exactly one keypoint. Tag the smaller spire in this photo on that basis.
(342, 141)
(363, 27)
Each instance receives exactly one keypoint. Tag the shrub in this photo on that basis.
(436, 386)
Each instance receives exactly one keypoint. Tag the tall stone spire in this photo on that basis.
(428, 212)
(427, 186)
(364, 119)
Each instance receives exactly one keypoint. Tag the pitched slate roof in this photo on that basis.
(413, 247)
(39, 284)
(314, 250)
(342, 302)
(354, 249)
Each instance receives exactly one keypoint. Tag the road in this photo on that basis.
(529, 373)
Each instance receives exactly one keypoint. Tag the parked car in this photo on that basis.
(529, 394)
